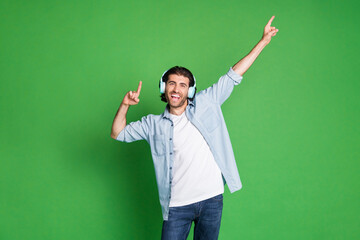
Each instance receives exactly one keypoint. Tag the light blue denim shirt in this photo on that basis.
(206, 115)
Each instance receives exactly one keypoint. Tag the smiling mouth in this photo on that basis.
(175, 97)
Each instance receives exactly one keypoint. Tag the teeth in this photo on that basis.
(177, 96)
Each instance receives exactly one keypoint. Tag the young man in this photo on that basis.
(190, 146)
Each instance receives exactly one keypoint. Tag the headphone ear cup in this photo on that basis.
(162, 87)
(191, 92)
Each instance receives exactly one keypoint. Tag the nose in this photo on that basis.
(176, 88)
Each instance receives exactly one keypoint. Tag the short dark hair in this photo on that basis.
(181, 71)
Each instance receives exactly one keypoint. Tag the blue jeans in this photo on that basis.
(207, 217)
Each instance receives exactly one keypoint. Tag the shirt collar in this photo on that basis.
(166, 113)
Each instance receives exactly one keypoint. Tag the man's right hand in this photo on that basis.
(132, 97)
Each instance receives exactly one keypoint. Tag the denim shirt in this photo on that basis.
(206, 115)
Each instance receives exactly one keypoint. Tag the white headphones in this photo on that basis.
(191, 92)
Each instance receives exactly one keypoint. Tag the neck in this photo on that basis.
(178, 110)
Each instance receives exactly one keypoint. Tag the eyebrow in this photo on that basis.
(171, 81)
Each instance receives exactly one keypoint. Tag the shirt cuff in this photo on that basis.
(234, 76)
(121, 136)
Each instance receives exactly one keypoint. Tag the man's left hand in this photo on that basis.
(269, 31)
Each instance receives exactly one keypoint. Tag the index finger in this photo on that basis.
(271, 19)
(139, 88)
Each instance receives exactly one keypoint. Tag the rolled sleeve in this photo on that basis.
(221, 90)
(234, 76)
(134, 131)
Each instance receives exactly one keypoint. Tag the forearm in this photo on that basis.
(244, 64)
(120, 120)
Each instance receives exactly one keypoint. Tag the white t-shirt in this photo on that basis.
(196, 176)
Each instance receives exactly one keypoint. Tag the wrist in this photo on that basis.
(124, 104)
(264, 42)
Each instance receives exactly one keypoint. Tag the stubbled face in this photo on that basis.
(176, 91)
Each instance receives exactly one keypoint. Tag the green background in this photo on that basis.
(293, 121)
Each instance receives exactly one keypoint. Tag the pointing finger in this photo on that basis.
(270, 21)
(139, 88)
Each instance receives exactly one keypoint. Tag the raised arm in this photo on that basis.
(131, 98)
(244, 64)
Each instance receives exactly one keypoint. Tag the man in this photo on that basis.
(190, 146)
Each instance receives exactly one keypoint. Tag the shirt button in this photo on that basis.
(171, 153)
(170, 167)
(170, 182)
(170, 139)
